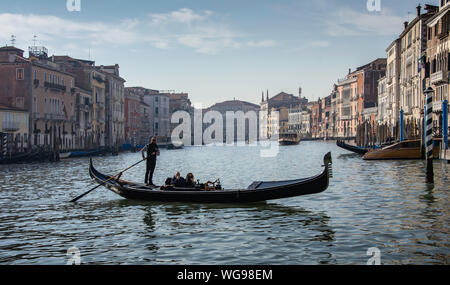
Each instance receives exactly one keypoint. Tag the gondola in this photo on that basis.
(256, 192)
(352, 148)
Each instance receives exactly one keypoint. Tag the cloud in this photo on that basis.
(348, 22)
(197, 30)
(52, 27)
(183, 15)
(322, 44)
(263, 43)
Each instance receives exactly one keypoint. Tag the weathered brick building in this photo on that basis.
(41, 87)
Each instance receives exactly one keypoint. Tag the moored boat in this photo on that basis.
(352, 148)
(410, 149)
(256, 192)
(37, 156)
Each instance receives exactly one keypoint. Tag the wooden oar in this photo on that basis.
(103, 183)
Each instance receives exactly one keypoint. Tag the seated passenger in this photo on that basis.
(190, 180)
(178, 181)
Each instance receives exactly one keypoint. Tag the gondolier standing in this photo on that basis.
(152, 151)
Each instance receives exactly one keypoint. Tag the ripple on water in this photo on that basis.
(368, 204)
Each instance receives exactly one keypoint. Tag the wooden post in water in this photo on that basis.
(402, 124)
(445, 124)
(429, 134)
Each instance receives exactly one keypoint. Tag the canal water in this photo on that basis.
(384, 205)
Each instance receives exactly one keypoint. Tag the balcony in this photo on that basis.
(9, 126)
(36, 116)
(58, 117)
(443, 33)
(100, 104)
(55, 86)
(36, 82)
(439, 78)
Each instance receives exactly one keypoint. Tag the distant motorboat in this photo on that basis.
(74, 154)
(289, 139)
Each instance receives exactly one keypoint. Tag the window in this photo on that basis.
(19, 73)
(157, 111)
(20, 102)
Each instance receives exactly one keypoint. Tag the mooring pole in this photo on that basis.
(429, 134)
(445, 123)
(402, 125)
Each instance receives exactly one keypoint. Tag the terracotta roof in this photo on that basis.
(10, 48)
(9, 108)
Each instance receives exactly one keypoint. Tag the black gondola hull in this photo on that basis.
(288, 189)
(352, 148)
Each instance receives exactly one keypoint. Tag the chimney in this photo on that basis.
(406, 25)
(418, 10)
(349, 70)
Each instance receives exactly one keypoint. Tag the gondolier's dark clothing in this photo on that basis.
(152, 152)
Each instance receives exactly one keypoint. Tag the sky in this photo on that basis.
(215, 50)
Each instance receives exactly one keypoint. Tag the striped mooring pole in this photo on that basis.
(429, 134)
(3, 144)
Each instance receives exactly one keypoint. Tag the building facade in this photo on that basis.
(437, 70)
(93, 80)
(41, 87)
(249, 124)
(276, 103)
(114, 106)
(159, 115)
(137, 119)
(413, 41)
(84, 113)
(392, 87)
(14, 130)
